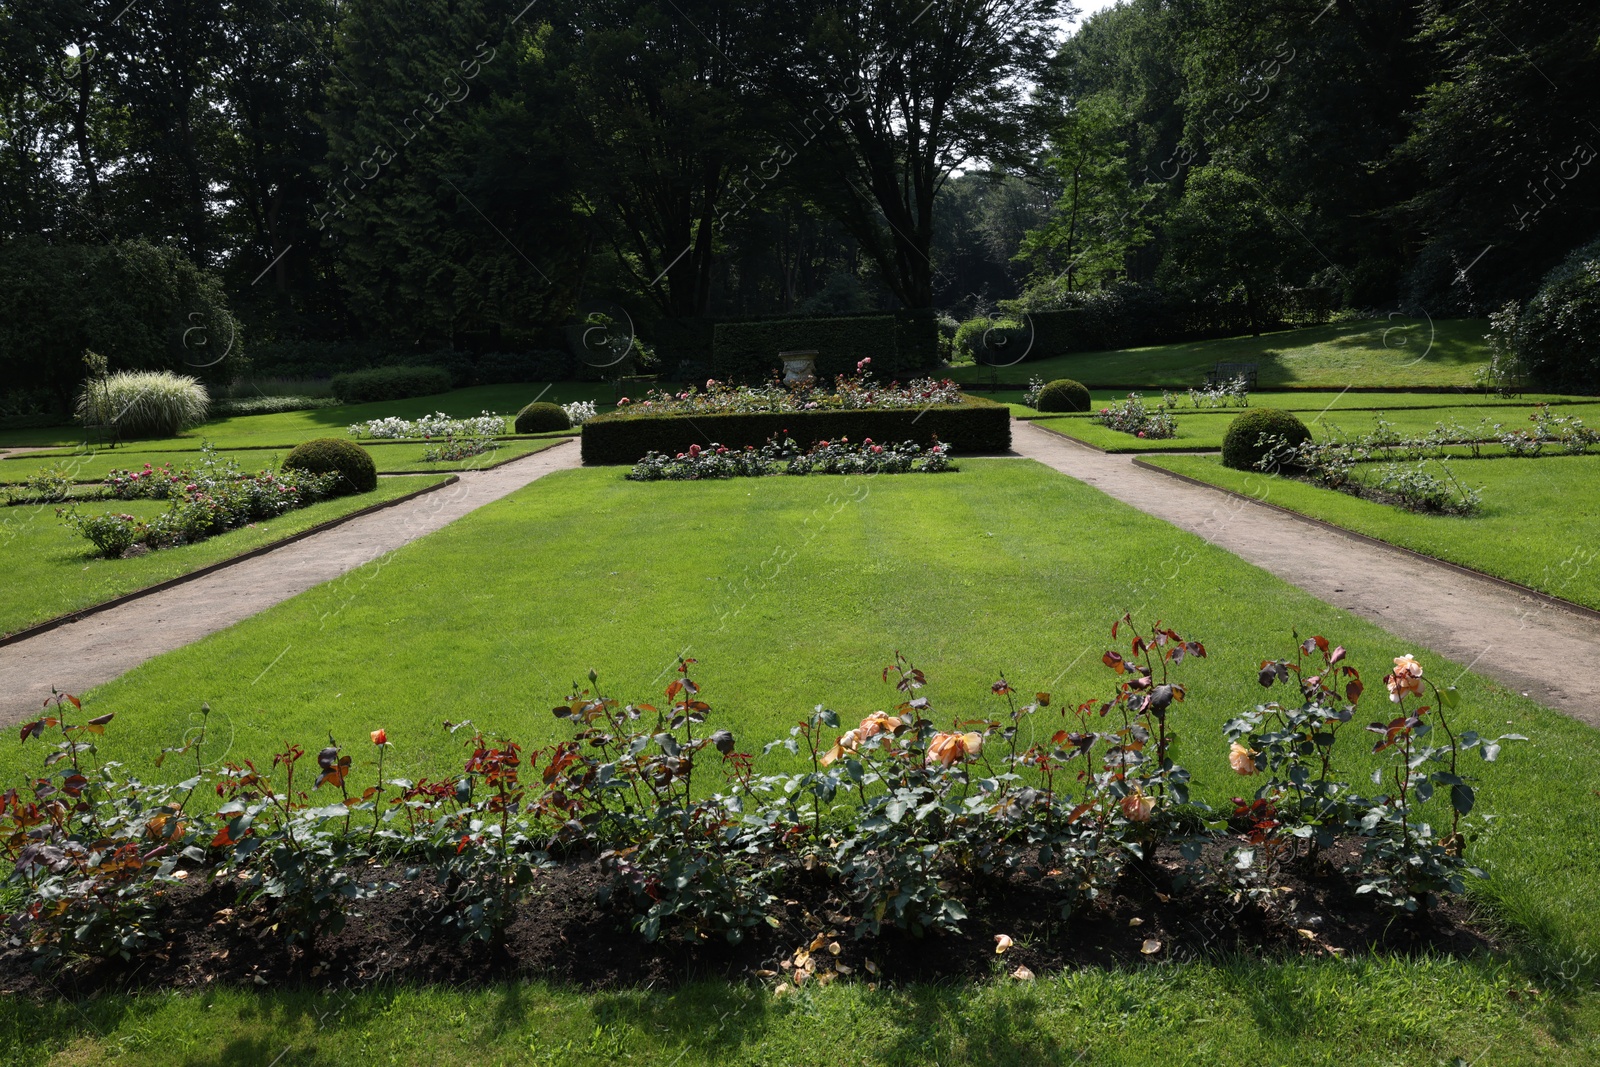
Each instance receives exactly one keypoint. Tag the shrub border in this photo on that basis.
(981, 426)
(117, 601)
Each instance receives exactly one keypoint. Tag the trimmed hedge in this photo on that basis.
(328, 455)
(541, 416)
(1241, 448)
(390, 383)
(1064, 394)
(974, 427)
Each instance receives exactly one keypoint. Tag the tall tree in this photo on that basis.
(890, 97)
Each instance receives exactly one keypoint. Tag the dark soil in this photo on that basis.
(563, 935)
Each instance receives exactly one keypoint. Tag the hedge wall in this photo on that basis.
(975, 426)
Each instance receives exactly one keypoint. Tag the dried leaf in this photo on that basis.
(1022, 974)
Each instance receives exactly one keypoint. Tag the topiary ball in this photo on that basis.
(542, 417)
(1241, 446)
(1063, 394)
(329, 455)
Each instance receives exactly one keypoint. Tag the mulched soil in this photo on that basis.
(563, 935)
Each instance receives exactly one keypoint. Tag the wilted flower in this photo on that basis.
(1242, 759)
(950, 749)
(1406, 679)
(1136, 807)
(873, 725)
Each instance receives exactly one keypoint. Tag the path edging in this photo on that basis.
(1471, 572)
(211, 568)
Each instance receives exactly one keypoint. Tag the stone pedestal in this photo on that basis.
(799, 368)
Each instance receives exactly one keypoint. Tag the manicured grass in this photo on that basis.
(290, 428)
(1537, 524)
(50, 570)
(1375, 352)
(400, 458)
(1203, 430)
(1430, 1012)
(793, 592)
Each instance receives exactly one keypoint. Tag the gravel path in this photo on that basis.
(1496, 631)
(80, 655)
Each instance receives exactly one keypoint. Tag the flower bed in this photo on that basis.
(210, 498)
(826, 457)
(904, 824)
(429, 426)
(1132, 417)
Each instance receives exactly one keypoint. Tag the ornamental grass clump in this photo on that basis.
(132, 404)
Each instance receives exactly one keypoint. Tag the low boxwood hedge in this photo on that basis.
(624, 437)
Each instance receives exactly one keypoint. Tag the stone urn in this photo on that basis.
(799, 368)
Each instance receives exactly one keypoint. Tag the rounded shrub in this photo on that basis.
(1556, 336)
(329, 455)
(1063, 394)
(1241, 445)
(542, 417)
(143, 403)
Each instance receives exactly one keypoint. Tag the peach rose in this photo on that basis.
(950, 749)
(1242, 759)
(380, 737)
(873, 725)
(1406, 679)
(1136, 807)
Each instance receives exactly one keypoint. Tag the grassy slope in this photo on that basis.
(1374, 352)
(290, 428)
(794, 591)
(50, 572)
(1537, 524)
(390, 458)
(1201, 430)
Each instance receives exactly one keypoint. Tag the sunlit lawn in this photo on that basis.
(1394, 353)
(1536, 523)
(50, 570)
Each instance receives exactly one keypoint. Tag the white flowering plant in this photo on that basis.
(428, 427)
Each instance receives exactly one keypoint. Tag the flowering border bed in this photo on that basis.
(896, 825)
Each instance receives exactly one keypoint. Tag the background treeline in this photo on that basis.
(314, 184)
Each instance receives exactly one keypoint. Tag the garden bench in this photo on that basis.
(1226, 372)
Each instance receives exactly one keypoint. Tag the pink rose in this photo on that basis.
(877, 448)
(694, 451)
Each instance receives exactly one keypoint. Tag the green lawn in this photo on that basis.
(50, 569)
(400, 458)
(1376, 352)
(290, 428)
(1382, 1014)
(796, 591)
(1204, 430)
(1537, 525)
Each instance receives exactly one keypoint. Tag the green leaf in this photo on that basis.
(1450, 697)
(1462, 798)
